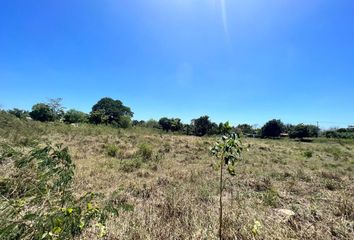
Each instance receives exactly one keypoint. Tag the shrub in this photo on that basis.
(130, 165)
(124, 122)
(151, 123)
(74, 116)
(245, 129)
(271, 197)
(112, 150)
(38, 201)
(145, 151)
(42, 112)
(308, 154)
(301, 131)
(332, 184)
(22, 114)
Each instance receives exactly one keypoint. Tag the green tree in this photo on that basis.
(301, 131)
(314, 131)
(176, 124)
(228, 151)
(109, 111)
(124, 122)
(151, 123)
(245, 129)
(98, 117)
(202, 125)
(272, 128)
(74, 116)
(22, 114)
(188, 129)
(214, 130)
(165, 124)
(56, 107)
(42, 112)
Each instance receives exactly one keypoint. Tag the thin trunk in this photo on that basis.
(220, 199)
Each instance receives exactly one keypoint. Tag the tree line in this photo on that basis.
(113, 112)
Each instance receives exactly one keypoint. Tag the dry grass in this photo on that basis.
(174, 191)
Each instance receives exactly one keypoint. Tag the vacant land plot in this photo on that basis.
(282, 189)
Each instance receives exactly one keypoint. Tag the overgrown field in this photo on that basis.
(171, 183)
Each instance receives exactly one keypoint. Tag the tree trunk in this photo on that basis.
(220, 199)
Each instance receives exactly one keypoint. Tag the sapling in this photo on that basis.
(228, 151)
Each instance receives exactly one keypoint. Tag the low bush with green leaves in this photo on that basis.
(112, 150)
(38, 202)
(130, 165)
(308, 154)
(145, 151)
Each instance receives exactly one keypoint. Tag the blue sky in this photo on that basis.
(243, 61)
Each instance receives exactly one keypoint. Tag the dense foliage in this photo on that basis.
(170, 124)
(303, 131)
(113, 112)
(22, 114)
(272, 128)
(38, 201)
(42, 112)
(109, 111)
(202, 125)
(347, 133)
(245, 129)
(74, 116)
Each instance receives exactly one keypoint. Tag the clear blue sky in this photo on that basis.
(243, 61)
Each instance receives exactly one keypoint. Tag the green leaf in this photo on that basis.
(56, 230)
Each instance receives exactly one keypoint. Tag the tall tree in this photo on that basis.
(56, 107)
(272, 128)
(110, 111)
(202, 125)
(42, 112)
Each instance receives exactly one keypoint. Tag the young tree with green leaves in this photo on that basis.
(227, 151)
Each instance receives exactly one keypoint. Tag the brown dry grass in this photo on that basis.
(174, 193)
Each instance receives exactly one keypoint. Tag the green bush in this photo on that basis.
(303, 131)
(22, 114)
(271, 197)
(124, 122)
(37, 200)
(112, 150)
(42, 112)
(308, 154)
(74, 116)
(145, 151)
(131, 165)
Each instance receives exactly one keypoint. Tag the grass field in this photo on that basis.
(173, 188)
